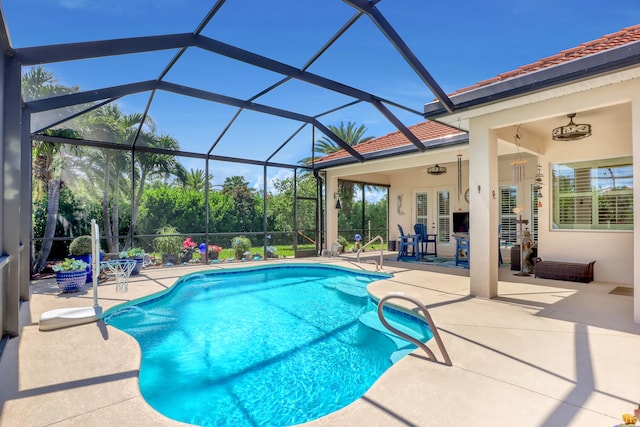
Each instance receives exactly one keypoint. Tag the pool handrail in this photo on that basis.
(409, 338)
(378, 237)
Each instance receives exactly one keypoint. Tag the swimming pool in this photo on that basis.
(260, 346)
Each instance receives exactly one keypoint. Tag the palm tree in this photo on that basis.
(48, 158)
(348, 132)
(108, 123)
(49, 171)
(195, 180)
(352, 135)
(149, 165)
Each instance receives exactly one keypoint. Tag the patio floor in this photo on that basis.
(544, 353)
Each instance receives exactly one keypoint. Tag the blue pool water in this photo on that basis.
(266, 346)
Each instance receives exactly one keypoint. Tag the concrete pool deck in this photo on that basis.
(544, 353)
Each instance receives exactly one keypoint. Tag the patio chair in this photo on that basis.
(409, 241)
(426, 238)
(462, 251)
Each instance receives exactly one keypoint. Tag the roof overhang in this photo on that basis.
(621, 60)
(447, 141)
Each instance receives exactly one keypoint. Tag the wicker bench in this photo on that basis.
(559, 270)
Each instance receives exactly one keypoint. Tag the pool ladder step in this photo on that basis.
(428, 319)
(403, 347)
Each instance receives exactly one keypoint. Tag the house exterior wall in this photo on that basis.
(612, 250)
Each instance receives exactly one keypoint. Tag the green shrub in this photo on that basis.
(240, 245)
(132, 253)
(81, 245)
(168, 242)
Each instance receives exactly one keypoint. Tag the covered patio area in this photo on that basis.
(538, 354)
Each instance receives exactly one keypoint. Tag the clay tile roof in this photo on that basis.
(431, 130)
(424, 131)
(609, 41)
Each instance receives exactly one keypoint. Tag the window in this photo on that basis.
(534, 213)
(444, 220)
(509, 228)
(422, 209)
(593, 195)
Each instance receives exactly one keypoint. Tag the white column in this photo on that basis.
(635, 138)
(331, 211)
(483, 210)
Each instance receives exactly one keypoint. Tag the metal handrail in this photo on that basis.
(409, 338)
(378, 237)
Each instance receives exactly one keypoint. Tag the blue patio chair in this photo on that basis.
(425, 239)
(408, 241)
(462, 251)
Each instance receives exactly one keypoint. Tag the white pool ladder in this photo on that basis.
(378, 237)
(427, 316)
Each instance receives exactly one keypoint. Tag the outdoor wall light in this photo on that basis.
(338, 205)
(571, 131)
(436, 170)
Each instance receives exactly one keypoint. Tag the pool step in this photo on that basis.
(353, 289)
(403, 347)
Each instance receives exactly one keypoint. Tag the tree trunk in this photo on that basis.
(137, 200)
(52, 219)
(115, 226)
(105, 208)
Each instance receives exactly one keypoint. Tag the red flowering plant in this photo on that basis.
(188, 244)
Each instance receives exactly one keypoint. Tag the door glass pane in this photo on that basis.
(422, 208)
(444, 219)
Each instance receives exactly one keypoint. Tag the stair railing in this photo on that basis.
(378, 237)
(430, 323)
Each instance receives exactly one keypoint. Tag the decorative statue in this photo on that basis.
(527, 252)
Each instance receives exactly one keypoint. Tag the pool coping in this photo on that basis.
(544, 352)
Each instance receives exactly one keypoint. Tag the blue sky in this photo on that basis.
(460, 43)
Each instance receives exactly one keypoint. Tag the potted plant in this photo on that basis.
(81, 248)
(71, 274)
(188, 246)
(240, 245)
(136, 254)
(169, 244)
(214, 252)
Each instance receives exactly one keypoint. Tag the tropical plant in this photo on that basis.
(149, 165)
(50, 163)
(195, 180)
(348, 132)
(169, 242)
(132, 253)
(240, 245)
(108, 123)
(38, 83)
(70, 264)
(81, 245)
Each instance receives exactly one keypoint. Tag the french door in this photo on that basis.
(433, 209)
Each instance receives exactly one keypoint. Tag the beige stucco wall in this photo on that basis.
(612, 250)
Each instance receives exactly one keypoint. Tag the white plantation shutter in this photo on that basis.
(508, 201)
(422, 209)
(593, 195)
(444, 216)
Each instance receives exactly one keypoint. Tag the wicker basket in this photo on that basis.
(71, 281)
